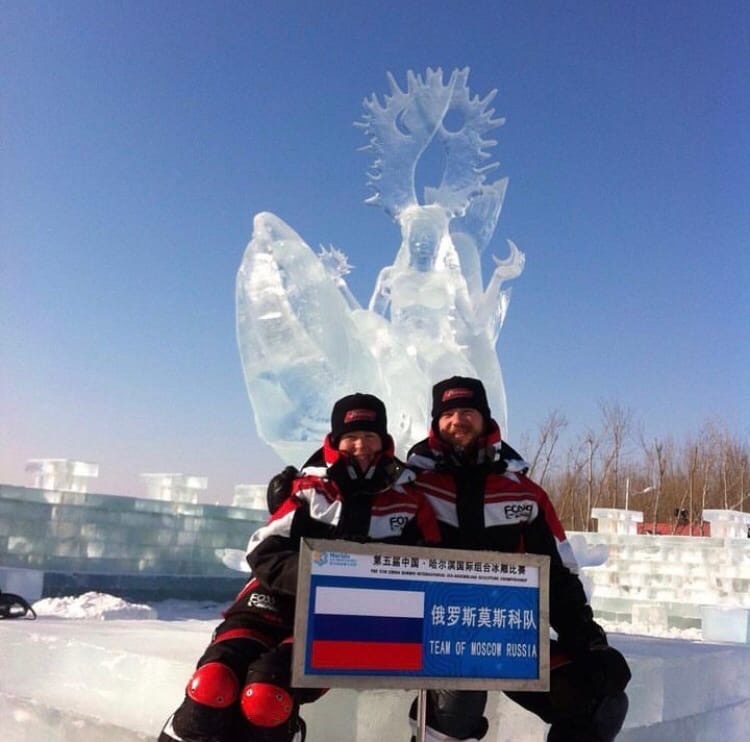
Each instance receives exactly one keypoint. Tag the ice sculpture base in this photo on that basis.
(120, 679)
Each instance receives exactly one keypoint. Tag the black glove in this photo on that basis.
(578, 686)
(605, 670)
(591, 637)
(279, 488)
(597, 665)
(578, 632)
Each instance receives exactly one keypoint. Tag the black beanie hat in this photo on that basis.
(358, 412)
(459, 391)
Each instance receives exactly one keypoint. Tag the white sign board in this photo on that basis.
(387, 616)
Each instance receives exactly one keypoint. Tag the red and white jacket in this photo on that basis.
(489, 503)
(334, 500)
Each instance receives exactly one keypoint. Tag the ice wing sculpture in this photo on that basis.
(304, 343)
(294, 360)
(304, 339)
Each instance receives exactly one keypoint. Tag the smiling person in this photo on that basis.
(471, 477)
(241, 689)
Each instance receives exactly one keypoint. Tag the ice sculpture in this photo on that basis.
(305, 340)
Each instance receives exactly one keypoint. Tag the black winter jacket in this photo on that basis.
(489, 503)
(337, 501)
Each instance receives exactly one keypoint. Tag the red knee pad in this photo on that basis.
(266, 704)
(214, 685)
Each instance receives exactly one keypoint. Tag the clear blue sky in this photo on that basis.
(140, 138)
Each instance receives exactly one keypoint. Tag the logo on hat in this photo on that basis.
(449, 394)
(353, 416)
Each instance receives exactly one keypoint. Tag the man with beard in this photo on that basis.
(482, 498)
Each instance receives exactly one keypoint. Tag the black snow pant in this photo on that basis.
(581, 705)
(253, 657)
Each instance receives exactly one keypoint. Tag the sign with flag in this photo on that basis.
(384, 616)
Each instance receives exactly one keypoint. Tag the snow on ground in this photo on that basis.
(93, 605)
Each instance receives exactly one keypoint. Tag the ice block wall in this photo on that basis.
(672, 581)
(134, 547)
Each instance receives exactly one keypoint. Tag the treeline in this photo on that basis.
(618, 465)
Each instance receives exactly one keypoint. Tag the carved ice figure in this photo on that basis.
(305, 340)
(435, 295)
(425, 301)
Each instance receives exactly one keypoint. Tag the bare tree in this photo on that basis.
(732, 455)
(548, 438)
(741, 458)
(707, 471)
(657, 454)
(617, 425)
(693, 463)
(572, 509)
(661, 457)
(591, 448)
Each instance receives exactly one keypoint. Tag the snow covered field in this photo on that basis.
(97, 668)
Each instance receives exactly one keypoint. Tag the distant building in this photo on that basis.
(61, 474)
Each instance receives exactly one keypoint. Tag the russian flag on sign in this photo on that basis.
(367, 629)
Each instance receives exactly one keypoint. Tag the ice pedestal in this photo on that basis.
(119, 680)
(675, 684)
(377, 715)
(616, 521)
(728, 523)
(106, 672)
(175, 487)
(251, 496)
(726, 624)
